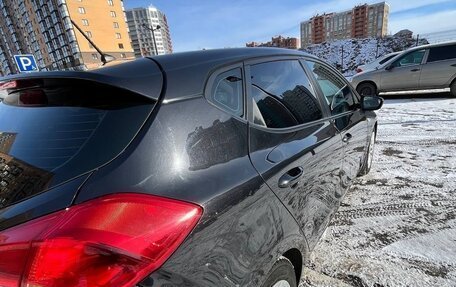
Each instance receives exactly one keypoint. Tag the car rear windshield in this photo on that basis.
(54, 130)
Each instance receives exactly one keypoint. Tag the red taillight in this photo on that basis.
(115, 241)
(8, 85)
(359, 70)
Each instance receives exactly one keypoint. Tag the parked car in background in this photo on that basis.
(420, 68)
(376, 63)
(209, 168)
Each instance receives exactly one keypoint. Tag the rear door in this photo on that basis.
(346, 114)
(404, 73)
(440, 67)
(293, 146)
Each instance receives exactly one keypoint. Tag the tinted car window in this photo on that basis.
(227, 92)
(413, 58)
(60, 129)
(442, 53)
(282, 95)
(386, 59)
(337, 93)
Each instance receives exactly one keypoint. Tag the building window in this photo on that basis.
(122, 55)
(110, 3)
(85, 22)
(121, 46)
(113, 14)
(95, 56)
(81, 10)
(118, 36)
(89, 34)
(116, 25)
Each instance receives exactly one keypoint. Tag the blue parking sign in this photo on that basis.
(26, 63)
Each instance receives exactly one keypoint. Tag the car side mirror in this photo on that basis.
(371, 103)
(389, 67)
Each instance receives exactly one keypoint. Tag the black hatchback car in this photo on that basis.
(210, 168)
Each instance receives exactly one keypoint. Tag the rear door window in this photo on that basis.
(442, 53)
(282, 95)
(55, 130)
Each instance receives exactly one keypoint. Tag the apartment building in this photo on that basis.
(362, 21)
(44, 28)
(104, 22)
(279, 42)
(149, 32)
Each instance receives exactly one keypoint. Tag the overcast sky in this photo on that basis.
(198, 24)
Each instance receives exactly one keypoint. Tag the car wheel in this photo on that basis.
(453, 88)
(282, 274)
(369, 158)
(367, 89)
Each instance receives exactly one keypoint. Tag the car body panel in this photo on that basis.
(400, 78)
(318, 150)
(437, 75)
(204, 159)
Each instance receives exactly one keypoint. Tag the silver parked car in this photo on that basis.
(419, 68)
(376, 63)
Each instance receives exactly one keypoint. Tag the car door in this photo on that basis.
(404, 73)
(295, 148)
(346, 113)
(440, 67)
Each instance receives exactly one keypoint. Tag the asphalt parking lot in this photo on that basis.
(397, 225)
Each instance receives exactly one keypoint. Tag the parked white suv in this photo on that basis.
(419, 68)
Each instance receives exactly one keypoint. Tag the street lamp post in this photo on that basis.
(153, 35)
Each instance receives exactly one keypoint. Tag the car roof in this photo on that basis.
(432, 46)
(186, 72)
(177, 60)
(195, 67)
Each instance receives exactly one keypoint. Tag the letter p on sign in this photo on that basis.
(26, 63)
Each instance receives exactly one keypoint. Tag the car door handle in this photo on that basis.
(291, 177)
(347, 137)
(415, 70)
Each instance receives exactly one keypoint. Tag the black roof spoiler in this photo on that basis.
(141, 76)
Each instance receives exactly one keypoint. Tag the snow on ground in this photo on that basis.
(397, 225)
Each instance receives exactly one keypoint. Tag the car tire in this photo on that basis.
(282, 274)
(453, 88)
(367, 89)
(369, 157)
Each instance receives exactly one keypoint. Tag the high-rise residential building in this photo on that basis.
(362, 21)
(44, 29)
(279, 42)
(149, 30)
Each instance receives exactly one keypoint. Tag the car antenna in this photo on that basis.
(105, 58)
